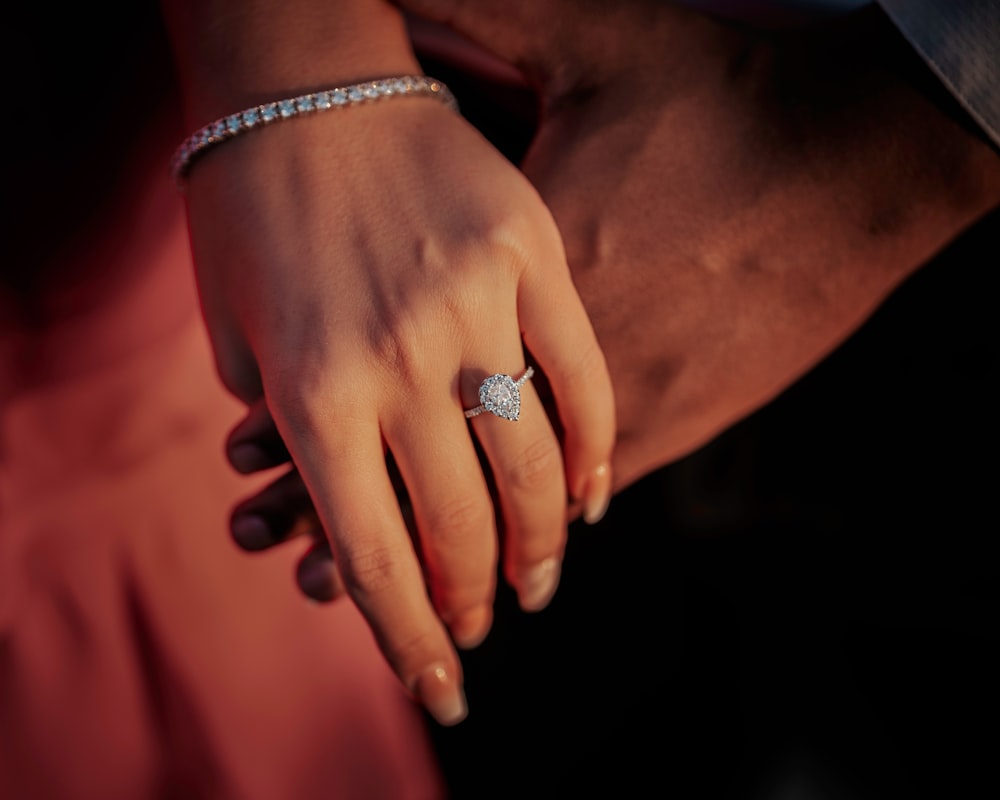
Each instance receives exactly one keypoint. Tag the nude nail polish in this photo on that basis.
(597, 495)
(537, 584)
(440, 694)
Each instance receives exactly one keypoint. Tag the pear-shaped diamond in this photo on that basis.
(501, 396)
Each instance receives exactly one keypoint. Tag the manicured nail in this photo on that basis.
(536, 585)
(252, 532)
(247, 457)
(469, 628)
(441, 695)
(597, 495)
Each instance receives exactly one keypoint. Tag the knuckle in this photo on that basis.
(588, 367)
(309, 397)
(371, 571)
(501, 241)
(304, 409)
(400, 345)
(449, 524)
(509, 240)
(537, 467)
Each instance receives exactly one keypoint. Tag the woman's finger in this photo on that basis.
(451, 510)
(527, 470)
(341, 452)
(559, 335)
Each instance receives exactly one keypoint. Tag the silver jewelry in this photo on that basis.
(501, 395)
(326, 100)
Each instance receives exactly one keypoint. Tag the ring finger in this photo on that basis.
(526, 462)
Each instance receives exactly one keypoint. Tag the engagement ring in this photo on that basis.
(501, 396)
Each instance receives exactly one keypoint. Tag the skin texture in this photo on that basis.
(751, 199)
(364, 273)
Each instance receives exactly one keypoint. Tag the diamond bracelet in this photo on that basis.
(339, 97)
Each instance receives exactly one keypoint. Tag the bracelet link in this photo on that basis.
(339, 97)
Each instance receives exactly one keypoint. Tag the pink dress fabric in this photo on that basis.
(142, 655)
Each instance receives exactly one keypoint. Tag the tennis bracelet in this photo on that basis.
(328, 99)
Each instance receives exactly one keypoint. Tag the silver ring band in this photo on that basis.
(501, 395)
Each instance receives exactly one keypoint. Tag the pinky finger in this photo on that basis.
(559, 335)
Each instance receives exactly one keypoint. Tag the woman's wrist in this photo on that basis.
(331, 99)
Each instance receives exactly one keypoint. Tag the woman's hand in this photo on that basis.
(366, 270)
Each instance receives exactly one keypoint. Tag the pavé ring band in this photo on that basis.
(501, 396)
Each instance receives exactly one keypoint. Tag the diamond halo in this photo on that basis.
(501, 395)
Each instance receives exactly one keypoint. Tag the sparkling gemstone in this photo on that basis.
(338, 98)
(269, 112)
(286, 108)
(501, 396)
(354, 94)
(371, 91)
(251, 117)
(399, 86)
(218, 130)
(233, 123)
(322, 100)
(305, 103)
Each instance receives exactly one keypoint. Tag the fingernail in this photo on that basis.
(597, 495)
(247, 457)
(469, 628)
(536, 585)
(251, 532)
(441, 695)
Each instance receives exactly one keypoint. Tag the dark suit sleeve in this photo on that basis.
(960, 41)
